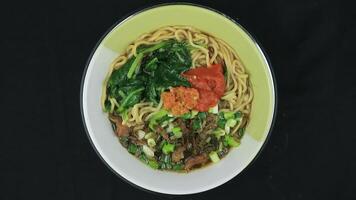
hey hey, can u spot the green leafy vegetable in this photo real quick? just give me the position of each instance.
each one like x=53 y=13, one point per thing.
x=145 y=76
x=153 y=164
x=164 y=64
x=151 y=65
x=107 y=105
x=131 y=99
x=124 y=115
x=151 y=91
x=126 y=92
x=135 y=65
x=146 y=49
x=118 y=77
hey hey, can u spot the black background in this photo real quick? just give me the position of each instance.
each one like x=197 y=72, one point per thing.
x=44 y=150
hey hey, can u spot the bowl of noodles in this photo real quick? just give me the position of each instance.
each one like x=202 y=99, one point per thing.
x=178 y=99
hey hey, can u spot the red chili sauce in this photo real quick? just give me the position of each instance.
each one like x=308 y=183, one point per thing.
x=210 y=83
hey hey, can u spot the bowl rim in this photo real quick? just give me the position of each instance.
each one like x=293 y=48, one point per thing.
x=148 y=7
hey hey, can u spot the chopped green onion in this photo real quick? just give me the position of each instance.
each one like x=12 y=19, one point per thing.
x=178 y=167
x=178 y=135
x=202 y=115
x=229 y=115
x=177 y=132
x=153 y=164
x=151 y=142
x=231 y=141
x=241 y=132
x=196 y=124
x=194 y=113
x=150 y=135
x=168 y=148
x=176 y=129
x=132 y=148
x=186 y=116
x=163 y=142
x=225 y=143
x=141 y=134
x=208 y=139
x=164 y=124
x=214 y=109
x=220 y=146
x=214 y=157
x=221 y=123
x=155 y=117
x=124 y=140
x=165 y=118
x=168 y=166
x=221 y=120
x=143 y=158
x=148 y=151
x=162 y=165
x=231 y=122
x=167 y=159
x=227 y=129
x=238 y=114
x=170 y=127
x=218 y=132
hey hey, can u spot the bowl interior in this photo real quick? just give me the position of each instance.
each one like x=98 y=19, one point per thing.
x=130 y=168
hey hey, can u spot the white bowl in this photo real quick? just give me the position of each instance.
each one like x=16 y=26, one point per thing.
x=99 y=129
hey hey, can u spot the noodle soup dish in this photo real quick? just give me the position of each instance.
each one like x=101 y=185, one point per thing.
x=177 y=99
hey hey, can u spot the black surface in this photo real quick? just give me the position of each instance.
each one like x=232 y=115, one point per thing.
x=44 y=151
